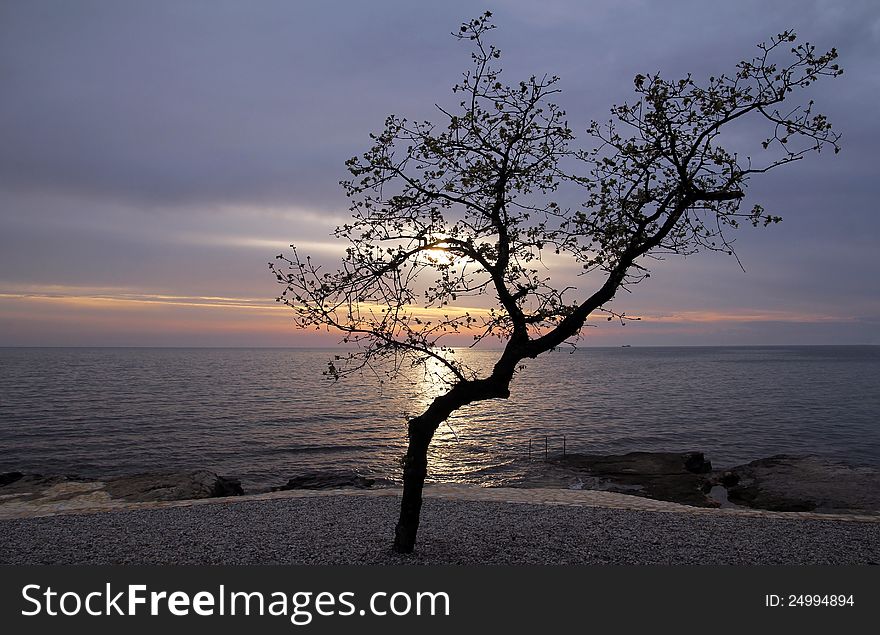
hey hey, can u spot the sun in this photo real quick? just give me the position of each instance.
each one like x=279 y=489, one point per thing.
x=440 y=256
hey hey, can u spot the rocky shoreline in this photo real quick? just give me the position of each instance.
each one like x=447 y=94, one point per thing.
x=137 y=488
x=778 y=483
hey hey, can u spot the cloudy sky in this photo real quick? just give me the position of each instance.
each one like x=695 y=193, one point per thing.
x=154 y=156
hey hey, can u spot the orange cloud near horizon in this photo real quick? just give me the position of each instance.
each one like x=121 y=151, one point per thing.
x=60 y=315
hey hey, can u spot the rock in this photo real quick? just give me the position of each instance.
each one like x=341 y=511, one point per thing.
x=670 y=476
x=729 y=479
x=805 y=483
x=31 y=484
x=227 y=487
x=40 y=494
x=698 y=464
x=9 y=477
x=172 y=486
x=327 y=480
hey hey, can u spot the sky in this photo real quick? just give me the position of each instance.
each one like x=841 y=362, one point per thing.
x=154 y=156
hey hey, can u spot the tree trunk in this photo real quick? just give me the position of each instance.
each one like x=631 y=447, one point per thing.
x=421 y=431
x=415 y=469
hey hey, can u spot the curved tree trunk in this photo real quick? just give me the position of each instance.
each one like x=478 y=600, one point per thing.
x=415 y=469
x=420 y=432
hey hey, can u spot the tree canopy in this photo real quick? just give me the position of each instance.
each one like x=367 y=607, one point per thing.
x=443 y=212
x=468 y=207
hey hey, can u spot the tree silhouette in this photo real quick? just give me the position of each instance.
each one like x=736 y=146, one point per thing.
x=441 y=213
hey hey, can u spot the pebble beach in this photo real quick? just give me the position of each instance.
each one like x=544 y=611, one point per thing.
x=460 y=525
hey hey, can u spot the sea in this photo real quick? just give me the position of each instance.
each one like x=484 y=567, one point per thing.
x=266 y=415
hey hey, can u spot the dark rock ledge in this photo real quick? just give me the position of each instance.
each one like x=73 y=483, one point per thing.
x=776 y=483
x=803 y=483
x=682 y=477
x=135 y=488
x=328 y=480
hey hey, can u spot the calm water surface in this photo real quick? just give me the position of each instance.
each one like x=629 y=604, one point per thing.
x=264 y=415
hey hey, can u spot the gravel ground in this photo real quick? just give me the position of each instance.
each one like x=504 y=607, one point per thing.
x=357 y=530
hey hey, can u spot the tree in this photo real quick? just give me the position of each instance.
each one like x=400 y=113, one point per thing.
x=441 y=213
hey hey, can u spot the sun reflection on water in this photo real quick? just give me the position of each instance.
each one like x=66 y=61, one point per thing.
x=456 y=454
